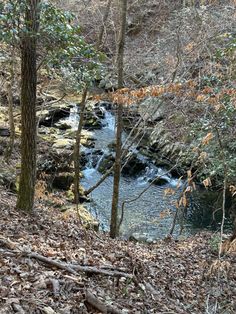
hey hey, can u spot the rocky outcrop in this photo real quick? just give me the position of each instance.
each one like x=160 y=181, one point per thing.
x=62 y=181
x=55 y=161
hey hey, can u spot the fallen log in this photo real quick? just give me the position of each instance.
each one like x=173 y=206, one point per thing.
x=74 y=269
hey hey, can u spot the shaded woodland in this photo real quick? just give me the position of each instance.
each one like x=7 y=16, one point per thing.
x=117 y=156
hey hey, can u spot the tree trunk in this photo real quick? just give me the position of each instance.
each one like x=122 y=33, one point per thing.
x=104 y=20
x=117 y=166
x=26 y=192
x=77 y=149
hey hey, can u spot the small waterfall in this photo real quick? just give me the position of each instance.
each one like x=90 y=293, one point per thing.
x=89 y=170
x=148 y=207
x=110 y=120
x=73 y=119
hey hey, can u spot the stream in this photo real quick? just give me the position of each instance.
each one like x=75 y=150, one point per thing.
x=150 y=216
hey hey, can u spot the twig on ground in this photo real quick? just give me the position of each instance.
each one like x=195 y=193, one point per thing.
x=92 y=300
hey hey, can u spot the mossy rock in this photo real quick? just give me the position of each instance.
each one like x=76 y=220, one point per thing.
x=106 y=163
x=87 y=219
x=64 y=143
x=82 y=197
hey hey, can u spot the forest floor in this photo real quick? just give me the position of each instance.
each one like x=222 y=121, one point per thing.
x=96 y=274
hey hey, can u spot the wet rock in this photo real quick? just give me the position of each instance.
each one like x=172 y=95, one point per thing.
x=106 y=163
x=133 y=165
x=112 y=146
x=63 y=181
x=84 y=159
x=92 y=122
x=92 y=159
x=177 y=172
x=4 y=132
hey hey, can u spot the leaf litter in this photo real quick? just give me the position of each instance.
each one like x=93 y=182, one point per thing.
x=48 y=265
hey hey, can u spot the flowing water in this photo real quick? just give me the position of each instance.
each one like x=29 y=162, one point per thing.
x=151 y=215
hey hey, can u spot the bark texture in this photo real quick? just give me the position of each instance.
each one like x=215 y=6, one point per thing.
x=26 y=192
x=77 y=148
x=117 y=166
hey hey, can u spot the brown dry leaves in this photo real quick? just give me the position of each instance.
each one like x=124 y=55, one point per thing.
x=173 y=277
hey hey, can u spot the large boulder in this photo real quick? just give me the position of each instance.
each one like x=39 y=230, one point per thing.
x=87 y=219
x=82 y=197
x=91 y=121
x=133 y=165
x=106 y=163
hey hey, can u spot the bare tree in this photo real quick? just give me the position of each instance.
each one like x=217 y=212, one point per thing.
x=104 y=20
x=117 y=165
x=77 y=149
x=26 y=192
